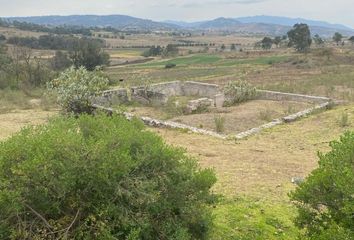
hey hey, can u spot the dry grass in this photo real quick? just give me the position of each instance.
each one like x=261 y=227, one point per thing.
x=262 y=166
x=243 y=116
x=12 y=122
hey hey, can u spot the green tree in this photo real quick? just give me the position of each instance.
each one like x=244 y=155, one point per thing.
x=337 y=38
x=76 y=88
x=351 y=39
x=266 y=43
x=223 y=47
x=277 y=40
x=60 y=61
x=170 y=50
x=300 y=37
x=318 y=40
x=100 y=178
x=88 y=54
x=233 y=47
x=325 y=201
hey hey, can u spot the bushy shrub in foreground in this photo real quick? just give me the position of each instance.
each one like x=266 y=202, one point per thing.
x=325 y=200
x=100 y=178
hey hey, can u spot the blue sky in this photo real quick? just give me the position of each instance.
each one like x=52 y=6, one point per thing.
x=334 y=11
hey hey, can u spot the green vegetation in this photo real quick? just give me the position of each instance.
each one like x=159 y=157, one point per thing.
x=100 y=178
x=239 y=91
x=337 y=38
x=300 y=37
x=252 y=219
x=76 y=89
x=325 y=201
x=185 y=61
x=219 y=124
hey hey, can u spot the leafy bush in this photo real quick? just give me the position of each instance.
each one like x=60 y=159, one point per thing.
x=170 y=65
x=325 y=201
x=77 y=87
x=239 y=91
x=100 y=178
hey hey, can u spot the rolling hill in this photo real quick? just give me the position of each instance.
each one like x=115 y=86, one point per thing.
x=266 y=25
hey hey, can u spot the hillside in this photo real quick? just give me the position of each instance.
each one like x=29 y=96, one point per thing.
x=121 y=22
x=265 y=25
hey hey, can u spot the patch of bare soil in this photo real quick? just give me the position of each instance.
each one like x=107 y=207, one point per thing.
x=243 y=116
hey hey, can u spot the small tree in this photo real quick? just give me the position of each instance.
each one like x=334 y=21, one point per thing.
x=76 y=88
x=318 y=40
x=300 y=37
x=171 y=50
x=233 y=47
x=60 y=61
x=325 y=201
x=351 y=39
x=89 y=54
x=267 y=43
x=277 y=40
x=223 y=47
x=337 y=38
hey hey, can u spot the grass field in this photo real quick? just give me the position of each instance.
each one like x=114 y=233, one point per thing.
x=253 y=175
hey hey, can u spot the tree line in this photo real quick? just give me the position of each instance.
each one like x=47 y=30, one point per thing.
x=300 y=38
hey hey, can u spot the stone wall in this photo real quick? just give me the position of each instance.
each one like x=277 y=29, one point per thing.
x=279 y=96
x=169 y=88
x=112 y=97
x=200 y=89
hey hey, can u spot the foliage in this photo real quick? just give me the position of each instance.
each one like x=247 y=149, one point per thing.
x=2 y=38
x=88 y=54
x=351 y=39
x=247 y=218
x=277 y=40
x=267 y=43
x=170 y=65
x=76 y=89
x=337 y=38
x=239 y=91
x=100 y=178
x=20 y=69
x=219 y=124
x=171 y=50
x=318 y=40
x=325 y=201
x=60 y=61
x=153 y=51
x=300 y=37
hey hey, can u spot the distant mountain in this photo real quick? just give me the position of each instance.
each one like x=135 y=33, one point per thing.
x=121 y=22
x=265 y=25
x=291 y=21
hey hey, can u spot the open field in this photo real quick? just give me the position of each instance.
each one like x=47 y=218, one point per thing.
x=253 y=175
x=322 y=72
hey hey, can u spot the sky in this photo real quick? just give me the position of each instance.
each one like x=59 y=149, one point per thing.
x=333 y=11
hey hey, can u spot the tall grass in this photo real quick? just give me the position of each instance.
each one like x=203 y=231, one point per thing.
x=219 y=124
